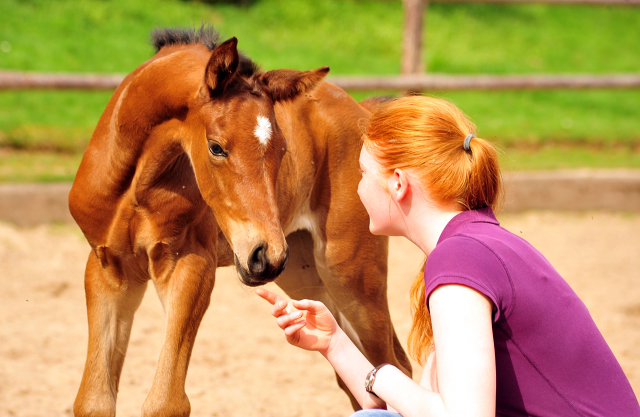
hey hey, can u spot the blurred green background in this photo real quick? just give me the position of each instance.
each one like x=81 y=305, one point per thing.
x=43 y=133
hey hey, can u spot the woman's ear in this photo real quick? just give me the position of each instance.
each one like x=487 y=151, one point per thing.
x=398 y=185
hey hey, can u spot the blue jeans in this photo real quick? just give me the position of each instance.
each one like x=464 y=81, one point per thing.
x=374 y=412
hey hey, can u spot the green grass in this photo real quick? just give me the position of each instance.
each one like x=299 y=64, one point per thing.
x=22 y=166
x=599 y=128
x=49 y=120
x=551 y=157
x=29 y=166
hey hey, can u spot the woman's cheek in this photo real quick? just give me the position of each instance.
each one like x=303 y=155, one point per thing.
x=362 y=193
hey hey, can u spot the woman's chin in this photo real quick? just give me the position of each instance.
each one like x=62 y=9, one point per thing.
x=382 y=231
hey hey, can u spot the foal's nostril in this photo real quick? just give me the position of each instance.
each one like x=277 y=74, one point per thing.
x=258 y=259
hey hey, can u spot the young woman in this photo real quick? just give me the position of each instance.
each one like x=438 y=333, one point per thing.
x=497 y=329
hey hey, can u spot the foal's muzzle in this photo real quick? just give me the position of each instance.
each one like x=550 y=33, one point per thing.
x=260 y=268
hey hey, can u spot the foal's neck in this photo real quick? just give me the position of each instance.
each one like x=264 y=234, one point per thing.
x=142 y=129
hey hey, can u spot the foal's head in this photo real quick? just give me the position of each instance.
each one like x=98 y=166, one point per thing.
x=236 y=147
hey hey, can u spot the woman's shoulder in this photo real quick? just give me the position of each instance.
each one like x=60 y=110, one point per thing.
x=466 y=246
x=489 y=238
x=466 y=255
x=467 y=260
x=479 y=226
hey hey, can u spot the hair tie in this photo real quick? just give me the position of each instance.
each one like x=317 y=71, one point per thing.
x=467 y=142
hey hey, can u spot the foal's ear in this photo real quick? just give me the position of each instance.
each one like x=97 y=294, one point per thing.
x=285 y=84
x=222 y=65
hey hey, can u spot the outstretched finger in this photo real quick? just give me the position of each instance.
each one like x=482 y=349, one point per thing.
x=271 y=297
x=280 y=304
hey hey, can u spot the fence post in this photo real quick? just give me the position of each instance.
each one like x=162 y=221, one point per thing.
x=412 y=62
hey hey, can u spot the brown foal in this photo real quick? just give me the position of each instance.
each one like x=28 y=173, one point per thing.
x=202 y=160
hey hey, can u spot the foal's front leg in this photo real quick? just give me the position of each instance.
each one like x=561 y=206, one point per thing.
x=185 y=294
x=112 y=300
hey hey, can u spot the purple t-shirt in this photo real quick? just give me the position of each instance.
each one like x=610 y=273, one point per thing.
x=551 y=359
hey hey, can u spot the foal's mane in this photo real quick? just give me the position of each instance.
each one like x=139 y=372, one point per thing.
x=206 y=35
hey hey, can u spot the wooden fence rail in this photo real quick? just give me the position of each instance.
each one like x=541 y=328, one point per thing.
x=11 y=80
x=441 y=82
x=593 y=2
x=16 y=80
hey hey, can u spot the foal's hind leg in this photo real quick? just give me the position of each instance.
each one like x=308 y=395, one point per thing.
x=111 y=303
x=185 y=294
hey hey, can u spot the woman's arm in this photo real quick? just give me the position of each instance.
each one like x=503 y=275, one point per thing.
x=462 y=320
x=464 y=361
x=465 y=365
x=353 y=367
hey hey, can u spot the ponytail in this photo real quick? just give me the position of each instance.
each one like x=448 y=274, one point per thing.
x=420 y=340
x=484 y=187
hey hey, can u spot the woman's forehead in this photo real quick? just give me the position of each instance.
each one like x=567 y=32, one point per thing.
x=366 y=158
x=368 y=162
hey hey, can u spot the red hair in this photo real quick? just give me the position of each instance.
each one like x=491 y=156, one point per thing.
x=425 y=136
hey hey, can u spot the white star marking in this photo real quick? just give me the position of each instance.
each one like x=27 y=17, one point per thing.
x=263 y=130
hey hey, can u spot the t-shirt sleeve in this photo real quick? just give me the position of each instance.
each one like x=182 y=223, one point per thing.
x=466 y=261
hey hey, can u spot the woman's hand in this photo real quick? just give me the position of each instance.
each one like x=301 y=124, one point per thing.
x=313 y=327
x=310 y=327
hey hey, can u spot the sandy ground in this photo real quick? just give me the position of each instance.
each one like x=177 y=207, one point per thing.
x=241 y=364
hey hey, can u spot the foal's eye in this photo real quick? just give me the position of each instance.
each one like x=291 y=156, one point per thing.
x=216 y=149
